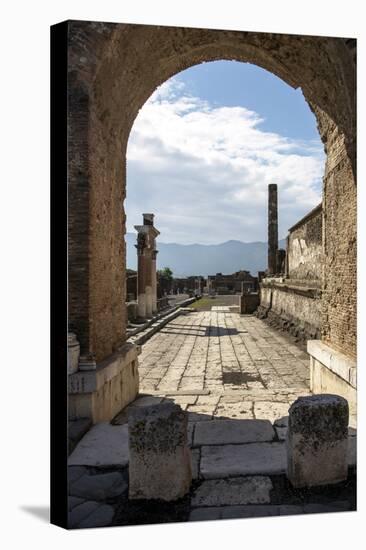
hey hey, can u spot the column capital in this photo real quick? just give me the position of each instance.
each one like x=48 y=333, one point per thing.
x=141 y=243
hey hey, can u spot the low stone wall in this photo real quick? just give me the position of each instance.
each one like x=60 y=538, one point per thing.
x=291 y=307
x=100 y=394
x=332 y=372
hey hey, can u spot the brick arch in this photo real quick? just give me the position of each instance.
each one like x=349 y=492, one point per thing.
x=118 y=67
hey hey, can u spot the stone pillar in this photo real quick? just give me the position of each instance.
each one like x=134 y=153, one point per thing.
x=160 y=465
x=317 y=440
x=147 y=286
x=141 y=262
x=154 y=285
x=272 y=228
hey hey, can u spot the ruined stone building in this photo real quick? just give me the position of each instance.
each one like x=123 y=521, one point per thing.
x=112 y=70
x=291 y=298
x=193 y=284
x=232 y=284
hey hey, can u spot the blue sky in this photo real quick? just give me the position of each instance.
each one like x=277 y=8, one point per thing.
x=207 y=143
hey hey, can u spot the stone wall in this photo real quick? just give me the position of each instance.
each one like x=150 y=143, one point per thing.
x=113 y=70
x=294 y=303
x=305 y=248
x=296 y=309
x=340 y=248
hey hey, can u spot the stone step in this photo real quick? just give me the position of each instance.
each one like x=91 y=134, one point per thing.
x=221 y=432
x=222 y=461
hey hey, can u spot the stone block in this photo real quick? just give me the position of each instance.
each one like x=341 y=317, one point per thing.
x=101 y=393
x=100 y=516
x=220 y=461
x=98 y=487
x=317 y=440
x=234 y=491
x=103 y=445
x=221 y=432
x=160 y=462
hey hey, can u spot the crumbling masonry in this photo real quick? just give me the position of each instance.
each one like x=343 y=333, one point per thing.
x=112 y=70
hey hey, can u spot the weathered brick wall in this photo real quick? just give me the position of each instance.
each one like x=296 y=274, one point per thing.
x=340 y=246
x=114 y=68
x=305 y=248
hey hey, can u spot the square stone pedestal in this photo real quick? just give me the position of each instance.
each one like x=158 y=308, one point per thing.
x=101 y=393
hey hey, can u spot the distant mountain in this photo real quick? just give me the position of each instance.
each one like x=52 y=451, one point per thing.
x=201 y=259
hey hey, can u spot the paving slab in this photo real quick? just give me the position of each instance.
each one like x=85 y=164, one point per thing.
x=104 y=445
x=100 y=516
x=72 y=502
x=233 y=491
x=99 y=486
x=270 y=411
x=239 y=410
x=75 y=472
x=80 y=512
x=220 y=461
x=220 y=432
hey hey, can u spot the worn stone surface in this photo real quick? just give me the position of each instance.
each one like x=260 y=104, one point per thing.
x=304 y=250
x=76 y=430
x=220 y=461
x=292 y=306
x=160 y=463
x=223 y=354
x=271 y=411
x=103 y=445
x=75 y=472
x=98 y=487
x=234 y=491
x=317 y=440
x=91 y=514
x=220 y=432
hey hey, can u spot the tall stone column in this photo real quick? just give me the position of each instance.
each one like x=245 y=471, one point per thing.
x=146 y=284
x=154 y=285
x=141 y=283
x=272 y=228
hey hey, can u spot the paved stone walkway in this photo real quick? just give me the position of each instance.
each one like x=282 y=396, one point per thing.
x=218 y=364
x=236 y=378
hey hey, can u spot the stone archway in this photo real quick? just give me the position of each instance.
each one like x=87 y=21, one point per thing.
x=113 y=69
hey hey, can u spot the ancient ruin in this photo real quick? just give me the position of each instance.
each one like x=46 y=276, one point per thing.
x=234 y=376
x=146 y=278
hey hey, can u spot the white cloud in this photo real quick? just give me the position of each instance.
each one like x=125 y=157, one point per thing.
x=204 y=170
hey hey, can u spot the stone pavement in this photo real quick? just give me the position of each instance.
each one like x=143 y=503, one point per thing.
x=230 y=365
x=235 y=377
